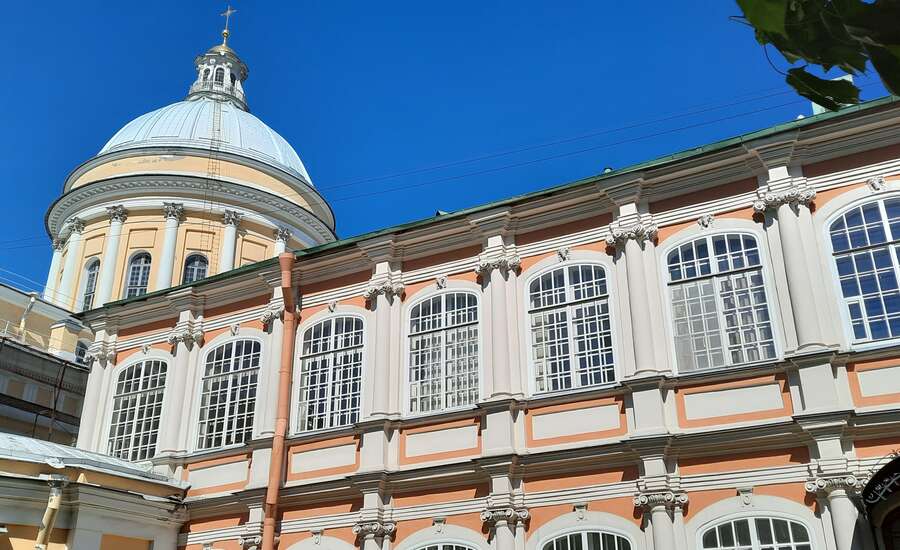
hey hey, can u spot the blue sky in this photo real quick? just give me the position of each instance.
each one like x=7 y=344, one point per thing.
x=375 y=95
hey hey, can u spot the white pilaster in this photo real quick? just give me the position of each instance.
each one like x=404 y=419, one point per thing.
x=117 y=216
x=53 y=274
x=660 y=506
x=231 y=219
x=182 y=338
x=383 y=292
x=271 y=318
x=282 y=236
x=66 y=293
x=173 y=213
x=849 y=531
x=495 y=265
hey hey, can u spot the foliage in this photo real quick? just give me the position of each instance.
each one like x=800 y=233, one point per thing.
x=847 y=34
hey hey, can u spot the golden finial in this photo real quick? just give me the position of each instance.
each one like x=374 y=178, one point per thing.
x=227 y=15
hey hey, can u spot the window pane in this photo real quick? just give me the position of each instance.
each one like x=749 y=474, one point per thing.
x=137 y=405
x=228 y=397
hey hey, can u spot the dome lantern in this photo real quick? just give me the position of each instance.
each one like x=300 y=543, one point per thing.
x=220 y=72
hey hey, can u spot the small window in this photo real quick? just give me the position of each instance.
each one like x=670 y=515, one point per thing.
x=443 y=352
x=205 y=75
x=138 y=275
x=757 y=534
x=866 y=244
x=81 y=350
x=220 y=75
x=137 y=407
x=91 y=272
x=331 y=374
x=228 y=397
x=720 y=309
x=195 y=268
x=571 y=332
x=589 y=540
x=232 y=78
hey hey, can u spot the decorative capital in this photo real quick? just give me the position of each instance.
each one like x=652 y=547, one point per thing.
x=283 y=234
x=793 y=197
x=639 y=231
x=509 y=262
x=824 y=485
x=374 y=529
x=76 y=225
x=499 y=516
x=57 y=243
x=231 y=217
x=668 y=499
x=101 y=352
x=252 y=542
x=186 y=336
x=563 y=253
x=117 y=213
x=876 y=183
x=388 y=287
x=705 y=221
x=270 y=314
x=173 y=210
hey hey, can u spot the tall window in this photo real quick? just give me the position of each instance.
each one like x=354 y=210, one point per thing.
x=757 y=534
x=195 y=268
x=443 y=352
x=571 y=334
x=205 y=74
x=220 y=75
x=229 y=394
x=719 y=304
x=138 y=275
x=331 y=373
x=91 y=271
x=137 y=405
x=865 y=241
x=589 y=540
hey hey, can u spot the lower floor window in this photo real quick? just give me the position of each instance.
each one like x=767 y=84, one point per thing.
x=757 y=534
x=589 y=540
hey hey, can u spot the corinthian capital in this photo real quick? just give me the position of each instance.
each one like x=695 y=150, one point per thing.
x=57 y=243
x=824 y=485
x=186 y=335
x=375 y=528
x=231 y=217
x=117 y=213
x=668 y=499
x=796 y=195
x=173 y=210
x=386 y=286
x=506 y=262
x=640 y=231
x=282 y=234
x=76 y=225
x=511 y=516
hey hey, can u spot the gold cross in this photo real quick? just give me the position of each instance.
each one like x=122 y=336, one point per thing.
x=227 y=15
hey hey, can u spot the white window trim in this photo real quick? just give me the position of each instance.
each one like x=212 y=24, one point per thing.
x=82 y=284
x=184 y=266
x=192 y=444
x=127 y=273
x=590 y=521
x=751 y=515
x=294 y=428
x=769 y=283
x=405 y=347
x=610 y=274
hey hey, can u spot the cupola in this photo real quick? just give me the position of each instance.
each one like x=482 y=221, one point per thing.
x=221 y=73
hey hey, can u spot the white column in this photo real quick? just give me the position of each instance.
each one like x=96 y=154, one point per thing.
x=849 y=531
x=504 y=525
x=380 y=295
x=658 y=505
x=282 y=236
x=495 y=269
x=182 y=339
x=173 y=212
x=269 y=379
x=117 y=216
x=231 y=219
x=53 y=275
x=66 y=293
x=88 y=421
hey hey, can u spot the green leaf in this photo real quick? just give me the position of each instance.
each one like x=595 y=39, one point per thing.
x=766 y=15
x=831 y=94
x=887 y=64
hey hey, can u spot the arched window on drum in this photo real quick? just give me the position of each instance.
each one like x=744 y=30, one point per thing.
x=756 y=534
x=720 y=309
x=865 y=242
x=588 y=540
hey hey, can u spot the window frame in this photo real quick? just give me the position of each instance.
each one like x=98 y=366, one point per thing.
x=814 y=535
x=769 y=284
x=81 y=344
x=85 y=275
x=406 y=348
x=611 y=276
x=184 y=267
x=109 y=407
x=298 y=372
x=589 y=528
x=127 y=274
x=846 y=328
x=197 y=405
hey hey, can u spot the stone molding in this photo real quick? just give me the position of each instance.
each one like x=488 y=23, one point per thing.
x=117 y=213
x=506 y=262
x=57 y=243
x=824 y=485
x=705 y=221
x=187 y=335
x=76 y=225
x=668 y=499
x=876 y=183
x=101 y=352
x=639 y=231
x=282 y=234
x=796 y=195
x=376 y=529
x=498 y=516
x=386 y=286
x=250 y=542
x=232 y=217
x=173 y=210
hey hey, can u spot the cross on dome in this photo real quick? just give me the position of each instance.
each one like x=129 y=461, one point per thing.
x=227 y=15
x=220 y=72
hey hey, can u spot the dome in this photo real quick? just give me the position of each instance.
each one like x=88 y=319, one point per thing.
x=189 y=124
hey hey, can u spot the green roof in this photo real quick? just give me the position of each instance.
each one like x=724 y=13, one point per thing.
x=659 y=161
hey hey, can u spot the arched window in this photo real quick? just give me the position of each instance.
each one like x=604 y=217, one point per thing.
x=205 y=75
x=91 y=271
x=331 y=373
x=137 y=405
x=232 y=78
x=864 y=241
x=445 y=546
x=138 y=275
x=195 y=268
x=443 y=352
x=757 y=534
x=571 y=333
x=719 y=304
x=81 y=350
x=220 y=75
x=588 y=540
x=229 y=394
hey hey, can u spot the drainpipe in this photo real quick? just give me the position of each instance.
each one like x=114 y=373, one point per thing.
x=31 y=299
x=276 y=462
x=57 y=483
